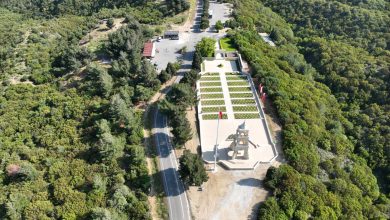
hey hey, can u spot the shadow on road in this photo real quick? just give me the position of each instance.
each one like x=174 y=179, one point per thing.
x=168 y=175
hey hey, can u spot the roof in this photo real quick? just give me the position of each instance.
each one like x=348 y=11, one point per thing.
x=148 y=49
x=171 y=33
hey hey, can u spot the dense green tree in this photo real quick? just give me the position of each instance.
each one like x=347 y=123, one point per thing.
x=218 y=25
x=182 y=94
x=191 y=77
x=206 y=47
x=191 y=169
x=110 y=23
x=197 y=61
x=99 y=82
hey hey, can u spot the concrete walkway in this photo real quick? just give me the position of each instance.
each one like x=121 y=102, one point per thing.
x=226 y=95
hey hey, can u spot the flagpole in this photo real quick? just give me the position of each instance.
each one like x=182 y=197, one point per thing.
x=216 y=142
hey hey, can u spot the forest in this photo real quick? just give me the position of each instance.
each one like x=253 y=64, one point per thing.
x=330 y=89
x=70 y=132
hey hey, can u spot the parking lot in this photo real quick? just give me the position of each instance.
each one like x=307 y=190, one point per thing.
x=167 y=50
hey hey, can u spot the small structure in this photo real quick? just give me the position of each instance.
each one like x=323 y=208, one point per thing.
x=240 y=142
x=173 y=35
x=149 y=50
x=210 y=13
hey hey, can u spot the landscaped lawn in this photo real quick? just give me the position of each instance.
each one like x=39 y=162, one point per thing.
x=243 y=83
x=210 y=78
x=210 y=84
x=227 y=44
x=213 y=89
x=241 y=95
x=243 y=101
x=212 y=96
x=213 y=102
x=213 y=116
x=214 y=109
x=250 y=108
x=239 y=89
x=246 y=115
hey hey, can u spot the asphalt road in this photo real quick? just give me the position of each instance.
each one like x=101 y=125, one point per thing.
x=174 y=189
x=178 y=205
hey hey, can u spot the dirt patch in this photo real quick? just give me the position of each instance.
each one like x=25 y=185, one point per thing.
x=101 y=33
x=229 y=195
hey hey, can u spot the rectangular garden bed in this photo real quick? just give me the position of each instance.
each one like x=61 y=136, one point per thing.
x=250 y=108
x=213 y=102
x=210 y=84
x=243 y=83
x=243 y=101
x=212 y=96
x=241 y=95
x=213 y=89
x=213 y=116
x=211 y=78
x=240 y=89
x=214 y=109
x=246 y=115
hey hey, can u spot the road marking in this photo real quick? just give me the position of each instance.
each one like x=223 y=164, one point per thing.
x=162 y=167
x=176 y=177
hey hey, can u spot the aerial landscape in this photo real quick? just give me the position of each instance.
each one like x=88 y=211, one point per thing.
x=194 y=109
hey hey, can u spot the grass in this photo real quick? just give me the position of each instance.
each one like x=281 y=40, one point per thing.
x=214 y=109
x=214 y=89
x=239 y=89
x=243 y=101
x=211 y=78
x=243 y=83
x=233 y=74
x=212 y=96
x=213 y=102
x=251 y=108
x=210 y=84
x=213 y=116
x=246 y=115
x=241 y=95
x=227 y=44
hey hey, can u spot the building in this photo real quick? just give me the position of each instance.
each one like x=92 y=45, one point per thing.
x=173 y=35
x=149 y=50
